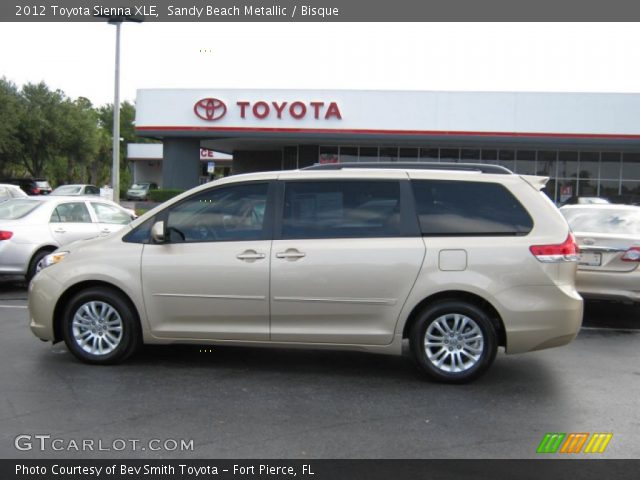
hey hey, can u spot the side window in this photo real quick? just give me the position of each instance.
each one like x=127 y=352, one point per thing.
x=452 y=208
x=341 y=209
x=75 y=212
x=4 y=194
x=91 y=190
x=232 y=213
x=110 y=214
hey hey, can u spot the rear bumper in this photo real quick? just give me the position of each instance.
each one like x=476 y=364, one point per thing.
x=539 y=317
x=623 y=286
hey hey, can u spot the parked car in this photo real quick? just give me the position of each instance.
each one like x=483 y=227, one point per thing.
x=31 y=228
x=31 y=186
x=140 y=191
x=609 y=240
x=459 y=259
x=76 y=189
x=585 y=201
x=8 y=191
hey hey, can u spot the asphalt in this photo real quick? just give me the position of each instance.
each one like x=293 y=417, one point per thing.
x=276 y=403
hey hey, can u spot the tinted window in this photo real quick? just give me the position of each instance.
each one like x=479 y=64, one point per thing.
x=232 y=213
x=468 y=208
x=343 y=209
x=75 y=212
x=91 y=190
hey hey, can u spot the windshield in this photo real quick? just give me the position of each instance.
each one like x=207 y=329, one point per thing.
x=67 y=190
x=139 y=186
x=610 y=220
x=16 y=208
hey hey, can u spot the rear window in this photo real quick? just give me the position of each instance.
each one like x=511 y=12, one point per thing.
x=609 y=220
x=42 y=184
x=14 y=209
x=453 y=208
x=68 y=190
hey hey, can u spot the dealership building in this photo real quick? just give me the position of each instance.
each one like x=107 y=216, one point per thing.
x=587 y=143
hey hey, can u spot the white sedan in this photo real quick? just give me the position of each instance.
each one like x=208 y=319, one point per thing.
x=33 y=227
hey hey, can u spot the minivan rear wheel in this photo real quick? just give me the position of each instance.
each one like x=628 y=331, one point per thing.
x=100 y=327
x=454 y=341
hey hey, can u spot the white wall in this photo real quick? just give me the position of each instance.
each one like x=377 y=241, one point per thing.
x=577 y=113
x=147 y=171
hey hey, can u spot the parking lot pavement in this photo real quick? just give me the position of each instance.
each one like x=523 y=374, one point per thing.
x=265 y=403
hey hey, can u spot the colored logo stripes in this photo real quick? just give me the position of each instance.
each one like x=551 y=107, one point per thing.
x=574 y=442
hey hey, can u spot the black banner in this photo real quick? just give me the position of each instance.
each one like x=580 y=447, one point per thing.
x=319 y=10
x=319 y=469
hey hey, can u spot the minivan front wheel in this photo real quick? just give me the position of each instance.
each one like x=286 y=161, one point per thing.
x=100 y=326
x=454 y=341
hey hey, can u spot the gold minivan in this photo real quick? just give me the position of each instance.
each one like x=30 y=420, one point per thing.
x=459 y=259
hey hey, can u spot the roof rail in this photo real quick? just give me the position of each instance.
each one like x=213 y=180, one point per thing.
x=468 y=167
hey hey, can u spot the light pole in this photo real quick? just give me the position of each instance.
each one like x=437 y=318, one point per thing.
x=115 y=166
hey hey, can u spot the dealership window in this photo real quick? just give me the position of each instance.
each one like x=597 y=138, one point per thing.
x=567 y=188
x=631 y=166
x=506 y=158
x=567 y=164
x=546 y=163
x=489 y=155
x=388 y=154
x=610 y=166
x=631 y=188
x=408 y=154
x=526 y=162
x=589 y=166
x=588 y=188
x=368 y=154
x=341 y=209
x=471 y=155
x=348 y=154
x=449 y=154
x=608 y=188
x=468 y=208
x=328 y=155
x=429 y=154
x=290 y=158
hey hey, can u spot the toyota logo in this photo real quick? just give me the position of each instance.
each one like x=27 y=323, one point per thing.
x=210 y=109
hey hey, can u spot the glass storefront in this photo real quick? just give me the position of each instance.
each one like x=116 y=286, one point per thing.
x=613 y=175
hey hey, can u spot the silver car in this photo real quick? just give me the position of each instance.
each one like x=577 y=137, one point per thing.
x=76 y=189
x=31 y=228
x=609 y=240
x=8 y=191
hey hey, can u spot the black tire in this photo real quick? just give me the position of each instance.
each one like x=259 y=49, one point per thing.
x=33 y=264
x=129 y=338
x=454 y=359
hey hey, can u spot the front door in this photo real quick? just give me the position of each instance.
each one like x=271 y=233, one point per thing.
x=210 y=280
x=71 y=221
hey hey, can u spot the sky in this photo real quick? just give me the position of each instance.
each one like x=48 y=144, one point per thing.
x=78 y=58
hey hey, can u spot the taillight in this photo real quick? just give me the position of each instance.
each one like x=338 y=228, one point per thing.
x=631 y=255
x=4 y=235
x=35 y=191
x=566 y=251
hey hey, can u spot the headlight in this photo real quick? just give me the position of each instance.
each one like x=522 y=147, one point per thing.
x=53 y=258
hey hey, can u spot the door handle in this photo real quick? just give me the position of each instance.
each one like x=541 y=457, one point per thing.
x=291 y=253
x=106 y=230
x=60 y=230
x=250 y=255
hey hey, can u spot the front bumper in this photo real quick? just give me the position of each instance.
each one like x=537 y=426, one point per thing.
x=44 y=291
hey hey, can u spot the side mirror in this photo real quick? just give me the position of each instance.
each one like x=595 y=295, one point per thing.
x=157 y=232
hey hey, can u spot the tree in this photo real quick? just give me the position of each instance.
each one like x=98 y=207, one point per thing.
x=11 y=111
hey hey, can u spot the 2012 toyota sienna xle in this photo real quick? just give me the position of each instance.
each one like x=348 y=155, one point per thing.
x=457 y=258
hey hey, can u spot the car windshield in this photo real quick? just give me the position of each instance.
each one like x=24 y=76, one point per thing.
x=615 y=221
x=17 y=208
x=67 y=190
x=139 y=186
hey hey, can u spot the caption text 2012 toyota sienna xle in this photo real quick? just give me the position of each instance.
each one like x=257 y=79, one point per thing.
x=457 y=258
